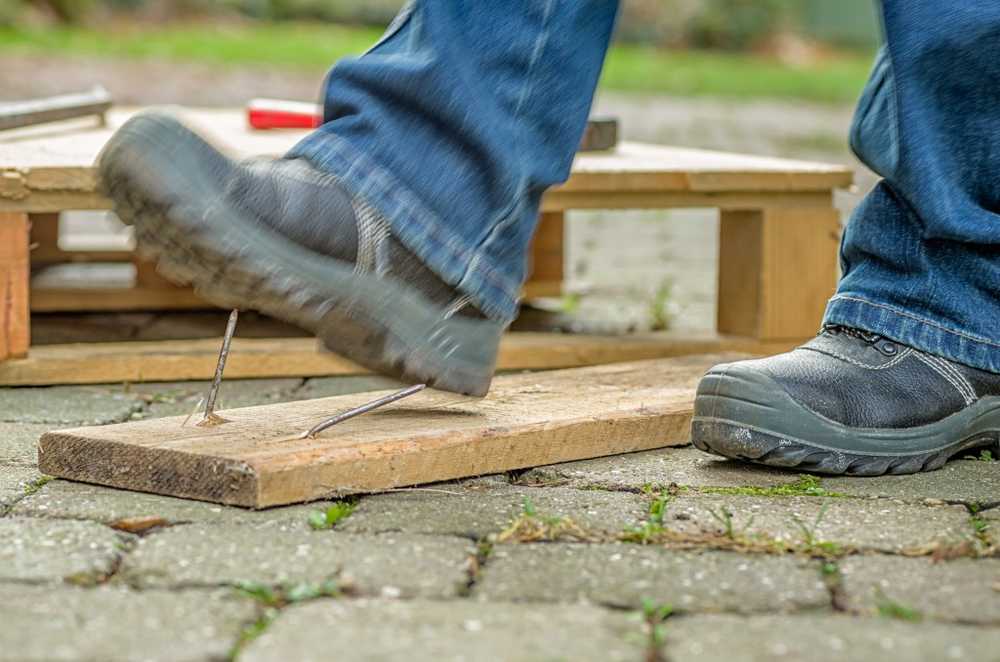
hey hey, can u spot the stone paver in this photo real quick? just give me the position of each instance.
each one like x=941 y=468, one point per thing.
x=15 y=482
x=965 y=481
x=962 y=590
x=625 y=575
x=420 y=631
x=476 y=513
x=684 y=466
x=324 y=387
x=19 y=443
x=181 y=398
x=828 y=638
x=67 y=405
x=70 y=500
x=210 y=555
x=37 y=550
x=876 y=524
x=112 y=624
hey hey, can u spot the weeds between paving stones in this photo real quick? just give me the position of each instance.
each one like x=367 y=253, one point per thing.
x=804 y=485
x=529 y=526
x=654 y=617
x=984 y=456
x=272 y=599
x=321 y=520
x=888 y=608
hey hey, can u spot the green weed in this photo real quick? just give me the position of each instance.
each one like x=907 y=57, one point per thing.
x=805 y=485
x=320 y=520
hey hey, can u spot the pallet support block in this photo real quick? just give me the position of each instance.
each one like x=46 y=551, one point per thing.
x=777 y=270
x=256 y=459
x=14 y=276
x=547 y=257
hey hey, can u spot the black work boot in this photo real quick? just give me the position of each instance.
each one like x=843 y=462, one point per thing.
x=848 y=402
x=279 y=236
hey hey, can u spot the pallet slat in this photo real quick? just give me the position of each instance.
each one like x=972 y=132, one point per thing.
x=255 y=460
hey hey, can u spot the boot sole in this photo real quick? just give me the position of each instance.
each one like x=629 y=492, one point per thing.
x=747 y=416
x=165 y=181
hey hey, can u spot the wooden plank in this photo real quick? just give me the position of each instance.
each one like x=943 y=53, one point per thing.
x=177 y=360
x=101 y=299
x=255 y=460
x=50 y=168
x=777 y=269
x=547 y=256
x=15 y=319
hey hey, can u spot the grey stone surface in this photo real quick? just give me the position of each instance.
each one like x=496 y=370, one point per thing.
x=963 y=590
x=15 y=482
x=685 y=466
x=19 y=443
x=71 y=500
x=876 y=524
x=624 y=575
x=430 y=631
x=965 y=481
x=324 y=387
x=210 y=555
x=37 y=550
x=478 y=512
x=181 y=398
x=113 y=623
x=829 y=638
x=67 y=405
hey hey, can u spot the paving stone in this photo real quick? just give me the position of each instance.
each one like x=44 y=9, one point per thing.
x=37 y=550
x=963 y=590
x=67 y=405
x=70 y=500
x=209 y=555
x=113 y=623
x=882 y=524
x=625 y=575
x=19 y=443
x=964 y=481
x=684 y=466
x=476 y=512
x=431 y=631
x=828 y=638
x=181 y=398
x=324 y=387
x=15 y=482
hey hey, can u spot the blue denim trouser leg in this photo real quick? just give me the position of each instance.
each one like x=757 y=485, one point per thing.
x=921 y=256
x=456 y=122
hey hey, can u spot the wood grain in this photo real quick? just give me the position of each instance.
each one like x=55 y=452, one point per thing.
x=255 y=461
x=179 y=360
x=15 y=320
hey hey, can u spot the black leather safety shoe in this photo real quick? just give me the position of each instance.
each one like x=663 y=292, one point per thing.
x=848 y=402
x=279 y=236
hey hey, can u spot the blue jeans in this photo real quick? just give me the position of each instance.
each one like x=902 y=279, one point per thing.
x=457 y=121
x=921 y=255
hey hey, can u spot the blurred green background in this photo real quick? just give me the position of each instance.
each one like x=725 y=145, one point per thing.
x=814 y=50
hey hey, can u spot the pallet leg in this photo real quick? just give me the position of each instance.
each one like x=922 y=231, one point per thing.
x=777 y=269
x=547 y=258
x=15 y=319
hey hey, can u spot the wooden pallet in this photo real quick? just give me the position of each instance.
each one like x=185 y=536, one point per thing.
x=255 y=460
x=778 y=234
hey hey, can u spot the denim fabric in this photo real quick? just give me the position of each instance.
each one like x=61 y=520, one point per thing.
x=456 y=122
x=921 y=255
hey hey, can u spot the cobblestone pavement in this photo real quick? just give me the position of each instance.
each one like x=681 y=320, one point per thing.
x=663 y=555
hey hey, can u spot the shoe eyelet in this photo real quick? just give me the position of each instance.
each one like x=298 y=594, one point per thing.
x=888 y=348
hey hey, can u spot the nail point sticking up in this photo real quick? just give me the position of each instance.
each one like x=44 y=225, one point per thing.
x=363 y=409
x=211 y=418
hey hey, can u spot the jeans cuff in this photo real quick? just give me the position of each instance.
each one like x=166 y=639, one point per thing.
x=468 y=269
x=924 y=334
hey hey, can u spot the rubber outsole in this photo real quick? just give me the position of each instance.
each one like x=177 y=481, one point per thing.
x=169 y=184
x=745 y=416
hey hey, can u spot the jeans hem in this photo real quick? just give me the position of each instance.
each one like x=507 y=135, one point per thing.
x=915 y=331
x=427 y=235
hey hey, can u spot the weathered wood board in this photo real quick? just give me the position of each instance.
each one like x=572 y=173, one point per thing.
x=255 y=460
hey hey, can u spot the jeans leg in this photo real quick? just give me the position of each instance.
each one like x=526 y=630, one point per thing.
x=457 y=121
x=921 y=255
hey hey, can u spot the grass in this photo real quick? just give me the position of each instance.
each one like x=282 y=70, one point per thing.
x=316 y=46
x=321 y=520
x=888 y=608
x=805 y=485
